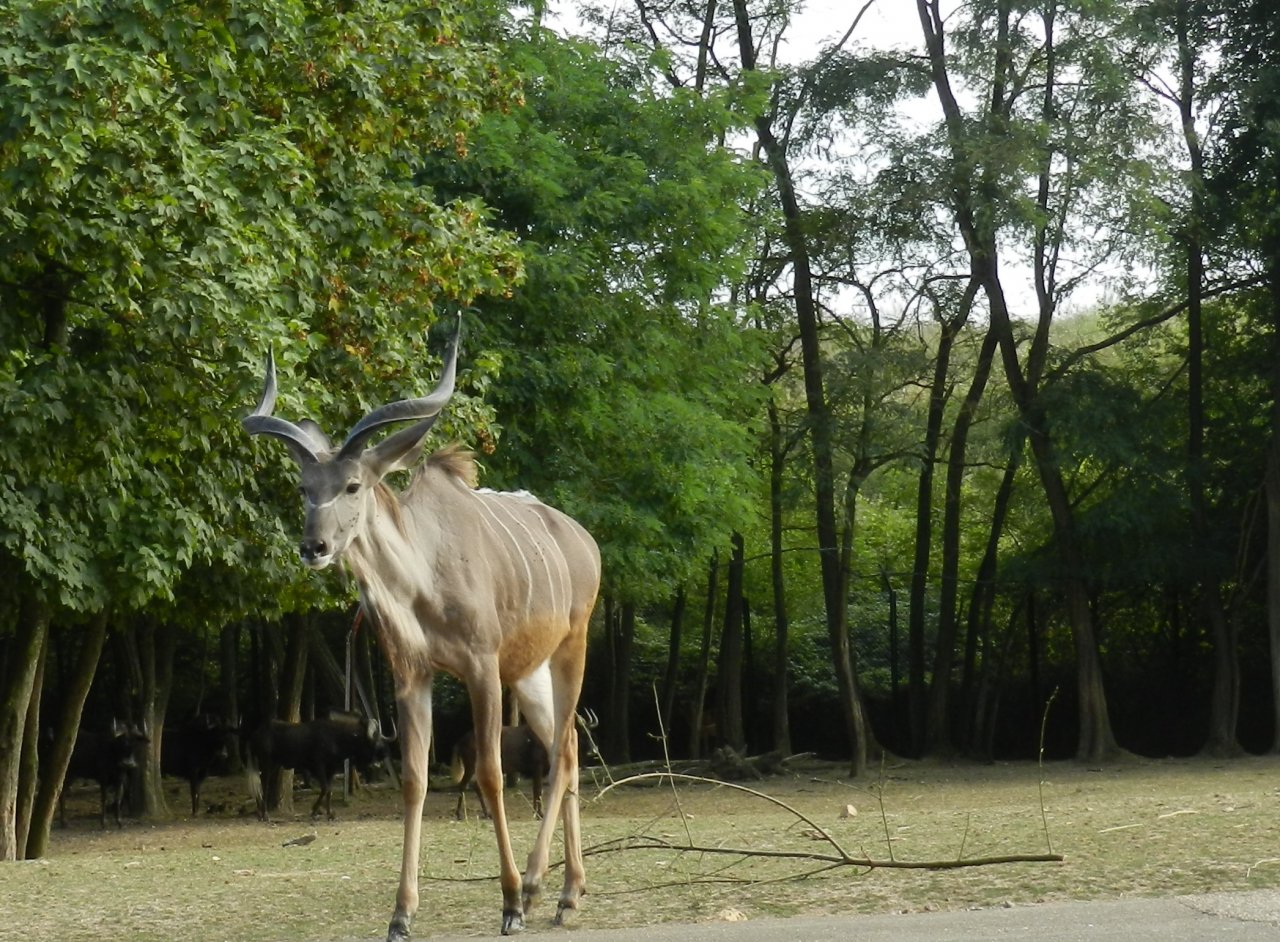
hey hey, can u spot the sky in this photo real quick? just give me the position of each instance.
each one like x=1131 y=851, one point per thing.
x=886 y=23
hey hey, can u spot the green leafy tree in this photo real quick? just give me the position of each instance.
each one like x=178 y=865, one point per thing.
x=180 y=188
x=622 y=395
x=1022 y=171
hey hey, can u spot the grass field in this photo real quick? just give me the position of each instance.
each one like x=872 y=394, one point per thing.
x=1130 y=828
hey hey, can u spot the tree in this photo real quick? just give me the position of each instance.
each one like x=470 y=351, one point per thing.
x=1183 y=26
x=1020 y=136
x=1248 y=160
x=181 y=188
x=774 y=151
x=622 y=397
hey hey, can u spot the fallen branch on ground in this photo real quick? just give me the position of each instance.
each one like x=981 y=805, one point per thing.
x=841 y=857
x=645 y=842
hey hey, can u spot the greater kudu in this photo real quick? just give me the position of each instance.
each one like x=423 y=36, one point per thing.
x=495 y=588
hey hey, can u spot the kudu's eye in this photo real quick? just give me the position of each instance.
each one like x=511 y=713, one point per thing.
x=353 y=487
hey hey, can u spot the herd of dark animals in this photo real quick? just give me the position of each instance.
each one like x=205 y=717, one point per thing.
x=319 y=748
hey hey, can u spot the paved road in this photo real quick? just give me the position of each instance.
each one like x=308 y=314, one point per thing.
x=1217 y=917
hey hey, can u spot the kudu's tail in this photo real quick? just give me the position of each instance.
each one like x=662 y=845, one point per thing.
x=253 y=778
x=456 y=767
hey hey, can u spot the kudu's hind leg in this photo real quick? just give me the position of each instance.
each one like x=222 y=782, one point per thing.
x=561 y=798
x=575 y=873
x=414 y=706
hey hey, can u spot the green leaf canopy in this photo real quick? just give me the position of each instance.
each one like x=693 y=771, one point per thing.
x=182 y=186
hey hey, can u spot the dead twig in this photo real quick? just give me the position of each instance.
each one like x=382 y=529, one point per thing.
x=826 y=835
x=666 y=758
x=1044 y=724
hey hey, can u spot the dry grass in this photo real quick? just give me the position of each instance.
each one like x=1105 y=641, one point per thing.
x=1133 y=828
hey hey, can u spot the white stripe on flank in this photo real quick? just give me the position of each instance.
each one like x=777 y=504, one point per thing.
x=586 y=543
x=566 y=584
x=528 y=572
x=533 y=542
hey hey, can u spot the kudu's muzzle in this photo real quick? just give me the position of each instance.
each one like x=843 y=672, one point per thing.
x=315 y=553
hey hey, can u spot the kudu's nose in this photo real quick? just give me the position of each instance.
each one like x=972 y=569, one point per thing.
x=310 y=550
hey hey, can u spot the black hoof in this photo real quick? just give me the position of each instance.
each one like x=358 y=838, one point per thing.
x=562 y=907
x=512 y=922
x=398 y=931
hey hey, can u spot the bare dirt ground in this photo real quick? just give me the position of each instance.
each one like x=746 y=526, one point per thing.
x=1133 y=828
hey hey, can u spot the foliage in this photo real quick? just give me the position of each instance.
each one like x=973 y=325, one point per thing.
x=182 y=186
x=1247 y=150
x=623 y=396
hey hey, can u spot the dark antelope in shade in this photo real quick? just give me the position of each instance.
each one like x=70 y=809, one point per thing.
x=522 y=754
x=317 y=747
x=196 y=749
x=494 y=588
x=108 y=757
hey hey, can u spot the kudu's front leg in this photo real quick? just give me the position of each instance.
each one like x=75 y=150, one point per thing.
x=414 y=707
x=486 y=713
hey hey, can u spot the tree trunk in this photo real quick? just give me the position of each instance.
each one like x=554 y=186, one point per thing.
x=127 y=690
x=730 y=661
x=331 y=677
x=1272 y=489
x=228 y=685
x=16 y=685
x=1224 y=699
x=940 y=732
x=229 y=671
x=781 y=654
x=157 y=642
x=982 y=601
x=1095 y=739
x=293 y=673
x=697 y=710
x=862 y=753
x=610 y=620
x=752 y=718
x=622 y=629
x=987 y=695
x=29 y=762
x=671 y=676
x=895 y=669
x=922 y=737
x=53 y=770
x=1224 y=702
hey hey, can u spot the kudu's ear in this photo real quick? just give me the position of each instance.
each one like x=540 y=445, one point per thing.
x=399 y=451
x=313 y=429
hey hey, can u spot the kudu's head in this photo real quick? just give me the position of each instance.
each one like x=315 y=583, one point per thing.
x=337 y=485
